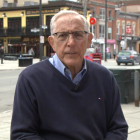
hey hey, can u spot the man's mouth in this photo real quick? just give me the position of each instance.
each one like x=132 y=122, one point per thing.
x=71 y=53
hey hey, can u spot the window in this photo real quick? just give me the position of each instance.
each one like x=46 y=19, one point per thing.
x=110 y=14
x=48 y=19
x=133 y=29
x=14 y=22
x=109 y=33
x=1 y=22
x=32 y=22
x=94 y=11
x=101 y=31
x=102 y=13
x=123 y=28
x=118 y=28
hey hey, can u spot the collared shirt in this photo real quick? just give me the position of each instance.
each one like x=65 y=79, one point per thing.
x=55 y=61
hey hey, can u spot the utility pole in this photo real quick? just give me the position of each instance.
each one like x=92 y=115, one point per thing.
x=125 y=25
x=105 y=29
x=85 y=8
x=41 y=32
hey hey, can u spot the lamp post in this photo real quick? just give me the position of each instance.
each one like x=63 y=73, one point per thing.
x=125 y=25
x=105 y=29
x=85 y=8
x=41 y=32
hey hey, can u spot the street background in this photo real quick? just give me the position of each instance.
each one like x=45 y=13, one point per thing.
x=9 y=72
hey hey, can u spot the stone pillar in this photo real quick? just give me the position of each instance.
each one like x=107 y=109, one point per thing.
x=137 y=47
x=44 y=50
x=25 y=49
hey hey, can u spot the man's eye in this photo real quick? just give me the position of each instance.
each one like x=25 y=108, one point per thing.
x=78 y=34
x=62 y=35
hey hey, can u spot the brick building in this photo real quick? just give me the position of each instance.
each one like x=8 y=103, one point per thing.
x=19 y=24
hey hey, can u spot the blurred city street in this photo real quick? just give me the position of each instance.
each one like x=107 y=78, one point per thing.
x=131 y=113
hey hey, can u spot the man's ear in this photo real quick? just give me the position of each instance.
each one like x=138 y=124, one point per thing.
x=51 y=41
x=90 y=36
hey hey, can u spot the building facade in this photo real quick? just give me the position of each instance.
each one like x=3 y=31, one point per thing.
x=131 y=35
x=20 y=26
x=118 y=23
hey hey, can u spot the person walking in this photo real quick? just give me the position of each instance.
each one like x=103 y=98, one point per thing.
x=31 y=51
x=114 y=53
x=67 y=97
x=2 y=54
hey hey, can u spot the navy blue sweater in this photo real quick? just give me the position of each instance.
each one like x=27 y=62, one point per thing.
x=47 y=106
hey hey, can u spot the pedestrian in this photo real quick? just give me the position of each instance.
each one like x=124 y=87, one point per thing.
x=2 y=54
x=67 y=97
x=114 y=53
x=31 y=52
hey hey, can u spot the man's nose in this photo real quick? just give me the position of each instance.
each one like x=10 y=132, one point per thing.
x=70 y=37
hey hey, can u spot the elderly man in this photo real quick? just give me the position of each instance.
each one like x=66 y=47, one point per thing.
x=67 y=97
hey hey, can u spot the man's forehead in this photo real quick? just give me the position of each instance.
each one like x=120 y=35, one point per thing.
x=69 y=17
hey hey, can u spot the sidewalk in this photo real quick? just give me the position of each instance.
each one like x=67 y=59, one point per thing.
x=131 y=113
x=13 y=64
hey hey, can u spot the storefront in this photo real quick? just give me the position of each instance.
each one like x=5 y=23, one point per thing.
x=111 y=46
x=20 y=27
x=132 y=43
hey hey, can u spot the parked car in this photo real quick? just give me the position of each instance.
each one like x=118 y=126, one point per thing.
x=128 y=56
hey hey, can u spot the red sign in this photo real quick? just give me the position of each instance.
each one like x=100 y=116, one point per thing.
x=120 y=37
x=128 y=29
x=92 y=20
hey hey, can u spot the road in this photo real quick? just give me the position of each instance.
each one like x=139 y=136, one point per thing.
x=8 y=80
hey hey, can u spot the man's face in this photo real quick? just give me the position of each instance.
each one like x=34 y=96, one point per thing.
x=70 y=52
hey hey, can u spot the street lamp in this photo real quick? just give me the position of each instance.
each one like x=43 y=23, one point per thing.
x=105 y=29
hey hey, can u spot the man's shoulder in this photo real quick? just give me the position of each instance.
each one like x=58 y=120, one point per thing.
x=36 y=69
x=97 y=68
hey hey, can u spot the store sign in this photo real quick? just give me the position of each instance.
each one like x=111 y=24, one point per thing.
x=123 y=37
x=134 y=38
x=44 y=11
x=128 y=29
x=92 y=20
x=35 y=30
x=41 y=39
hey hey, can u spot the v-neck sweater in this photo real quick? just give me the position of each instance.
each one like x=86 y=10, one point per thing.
x=48 y=106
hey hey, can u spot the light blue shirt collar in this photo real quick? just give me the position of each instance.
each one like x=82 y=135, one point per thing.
x=55 y=61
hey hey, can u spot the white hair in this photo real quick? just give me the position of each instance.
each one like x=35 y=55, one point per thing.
x=65 y=12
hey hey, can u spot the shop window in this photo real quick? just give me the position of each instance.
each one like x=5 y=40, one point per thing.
x=14 y=49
